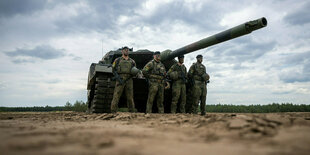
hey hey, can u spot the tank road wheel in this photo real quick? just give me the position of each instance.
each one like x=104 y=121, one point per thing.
x=103 y=94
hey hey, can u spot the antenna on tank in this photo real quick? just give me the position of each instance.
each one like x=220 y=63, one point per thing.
x=102 y=49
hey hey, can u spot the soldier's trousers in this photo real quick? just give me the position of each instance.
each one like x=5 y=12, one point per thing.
x=199 y=93
x=118 y=91
x=178 y=93
x=156 y=89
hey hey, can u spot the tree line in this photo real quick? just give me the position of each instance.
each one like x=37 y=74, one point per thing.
x=80 y=106
x=274 y=107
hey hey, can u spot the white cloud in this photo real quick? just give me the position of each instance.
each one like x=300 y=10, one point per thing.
x=246 y=70
x=150 y=6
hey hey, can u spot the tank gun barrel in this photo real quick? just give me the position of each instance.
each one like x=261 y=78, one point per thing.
x=232 y=33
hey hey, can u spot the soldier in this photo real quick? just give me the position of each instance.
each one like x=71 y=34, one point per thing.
x=197 y=73
x=122 y=68
x=155 y=72
x=179 y=76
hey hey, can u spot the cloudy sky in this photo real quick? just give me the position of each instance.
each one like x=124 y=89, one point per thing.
x=47 y=46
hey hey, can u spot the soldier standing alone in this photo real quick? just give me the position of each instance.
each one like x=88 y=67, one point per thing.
x=155 y=72
x=178 y=74
x=122 y=66
x=197 y=73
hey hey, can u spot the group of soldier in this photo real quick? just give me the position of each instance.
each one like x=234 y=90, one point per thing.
x=155 y=72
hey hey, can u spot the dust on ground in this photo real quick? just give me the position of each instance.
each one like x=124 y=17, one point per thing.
x=139 y=133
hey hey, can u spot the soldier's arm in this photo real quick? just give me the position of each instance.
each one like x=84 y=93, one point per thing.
x=171 y=69
x=114 y=65
x=191 y=71
x=133 y=62
x=147 y=68
x=165 y=72
x=185 y=71
x=205 y=69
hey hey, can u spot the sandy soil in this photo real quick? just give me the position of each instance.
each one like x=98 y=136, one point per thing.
x=138 y=133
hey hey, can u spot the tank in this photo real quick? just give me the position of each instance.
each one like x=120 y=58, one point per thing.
x=100 y=85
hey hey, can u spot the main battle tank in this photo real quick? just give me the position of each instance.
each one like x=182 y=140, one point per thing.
x=101 y=83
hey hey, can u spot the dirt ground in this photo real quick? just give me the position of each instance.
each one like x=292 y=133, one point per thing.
x=138 y=133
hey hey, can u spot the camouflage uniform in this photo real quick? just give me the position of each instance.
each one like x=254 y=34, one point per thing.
x=123 y=68
x=155 y=72
x=199 y=90
x=178 y=88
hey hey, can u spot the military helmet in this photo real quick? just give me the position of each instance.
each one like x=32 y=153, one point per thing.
x=156 y=53
x=199 y=56
x=134 y=71
x=125 y=47
x=206 y=77
x=174 y=75
x=180 y=56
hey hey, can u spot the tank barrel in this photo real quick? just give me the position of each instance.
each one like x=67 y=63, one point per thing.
x=232 y=33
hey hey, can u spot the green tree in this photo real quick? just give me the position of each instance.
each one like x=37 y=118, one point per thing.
x=79 y=106
x=68 y=106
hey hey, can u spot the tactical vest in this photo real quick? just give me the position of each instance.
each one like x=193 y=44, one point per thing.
x=158 y=70
x=199 y=70
x=124 y=66
x=180 y=69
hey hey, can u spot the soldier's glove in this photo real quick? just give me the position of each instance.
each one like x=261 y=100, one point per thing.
x=140 y=75
x=167 y=85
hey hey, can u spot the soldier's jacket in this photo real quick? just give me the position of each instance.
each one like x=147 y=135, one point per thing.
x=154 y=70
x=196 y=71
x=123 y=66
x=179 y=69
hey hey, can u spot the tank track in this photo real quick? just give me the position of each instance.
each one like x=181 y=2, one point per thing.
x=102 y=94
